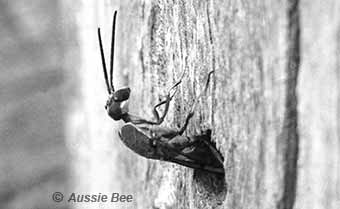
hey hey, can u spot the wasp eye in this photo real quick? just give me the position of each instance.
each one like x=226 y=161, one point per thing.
x=121 y=94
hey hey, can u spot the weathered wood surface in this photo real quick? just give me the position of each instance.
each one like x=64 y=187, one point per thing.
x=273 y=104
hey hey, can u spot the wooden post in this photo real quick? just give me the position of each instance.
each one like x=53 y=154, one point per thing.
x=273 y=104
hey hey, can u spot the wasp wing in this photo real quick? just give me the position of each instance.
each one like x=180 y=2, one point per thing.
x=197 y=156
x=192 y=164
x=137 y=141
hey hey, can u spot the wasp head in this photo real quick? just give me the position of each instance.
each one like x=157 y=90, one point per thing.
x=116 y=105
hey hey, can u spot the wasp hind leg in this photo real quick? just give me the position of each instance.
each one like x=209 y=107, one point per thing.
x=192 y=110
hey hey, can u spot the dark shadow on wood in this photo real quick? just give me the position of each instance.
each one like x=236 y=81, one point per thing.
x=209 y=187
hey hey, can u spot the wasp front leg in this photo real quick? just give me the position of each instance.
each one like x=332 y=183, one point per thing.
x=171 y=93
x=128 y=117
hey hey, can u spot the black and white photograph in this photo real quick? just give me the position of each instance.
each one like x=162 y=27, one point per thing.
x=212 y=104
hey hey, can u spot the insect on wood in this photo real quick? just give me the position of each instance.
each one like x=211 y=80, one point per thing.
x=147 y=138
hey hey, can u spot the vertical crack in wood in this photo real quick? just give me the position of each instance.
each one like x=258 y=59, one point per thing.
x=213 y=64
x=290 y=136
x=142 y=59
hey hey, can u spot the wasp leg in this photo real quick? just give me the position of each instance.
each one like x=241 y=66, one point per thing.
x=159 y=119
x=155 y=112
x=187 y=120
x=192 y=110
x=171 y=93
x=138 y=120
x=177 y=144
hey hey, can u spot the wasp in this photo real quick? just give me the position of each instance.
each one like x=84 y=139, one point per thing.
x=150 y=140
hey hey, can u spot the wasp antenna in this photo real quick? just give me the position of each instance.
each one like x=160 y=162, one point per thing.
x=103 y=61
x=112 y=49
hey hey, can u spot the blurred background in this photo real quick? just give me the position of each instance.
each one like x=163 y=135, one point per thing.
x=55 y=135
x=36 y=40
